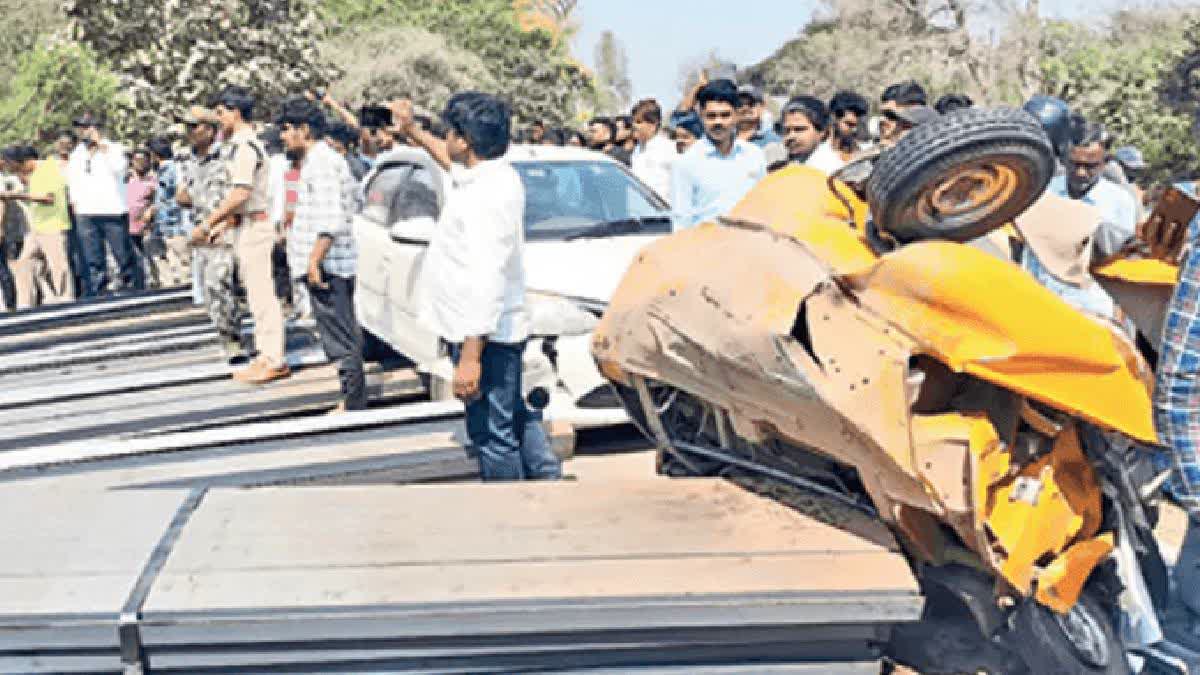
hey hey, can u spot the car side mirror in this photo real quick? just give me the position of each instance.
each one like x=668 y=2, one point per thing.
x=417 y=231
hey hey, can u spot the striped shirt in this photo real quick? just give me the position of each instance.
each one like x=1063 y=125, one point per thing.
x=324 y=207
x=1177 y=391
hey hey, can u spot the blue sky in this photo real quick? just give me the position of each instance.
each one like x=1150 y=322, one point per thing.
x=662 y=35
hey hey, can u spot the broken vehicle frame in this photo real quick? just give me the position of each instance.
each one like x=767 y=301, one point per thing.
x=933 y=383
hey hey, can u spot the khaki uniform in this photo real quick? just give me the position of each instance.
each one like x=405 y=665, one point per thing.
x=249 y=168
x=207 y=181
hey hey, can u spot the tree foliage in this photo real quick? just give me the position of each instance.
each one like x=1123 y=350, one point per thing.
x=176 y=53
x=530 y=67
x=864 y=45
x=1116 y=76
x=613 y=86
x=54 y=82
x=404 y=62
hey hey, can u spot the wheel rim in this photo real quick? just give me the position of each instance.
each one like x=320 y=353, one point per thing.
x=1085 y=635
x=971 y=193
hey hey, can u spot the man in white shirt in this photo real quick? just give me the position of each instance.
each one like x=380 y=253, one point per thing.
x=474 y=280
x=96 y=186
x=805 y=126
x=654 y=153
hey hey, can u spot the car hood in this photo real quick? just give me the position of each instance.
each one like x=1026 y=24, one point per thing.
x=588 y=269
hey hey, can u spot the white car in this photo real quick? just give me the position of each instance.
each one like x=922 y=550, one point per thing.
x=586 y=217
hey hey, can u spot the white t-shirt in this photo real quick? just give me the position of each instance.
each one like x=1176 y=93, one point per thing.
x=96 y=182
x=652 y=162
x=473 y=281
x=825 y=159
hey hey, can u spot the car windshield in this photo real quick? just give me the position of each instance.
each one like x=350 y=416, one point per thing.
x=564 y=199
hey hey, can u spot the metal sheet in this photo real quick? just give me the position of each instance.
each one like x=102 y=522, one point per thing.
x=91 y=310
x=331 y=547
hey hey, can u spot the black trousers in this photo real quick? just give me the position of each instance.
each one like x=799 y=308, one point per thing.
x=94 y=232
x=8 y=285
x=341 y=336
x=281 y=273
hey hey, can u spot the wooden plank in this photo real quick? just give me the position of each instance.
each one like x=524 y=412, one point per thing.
x=348 y=546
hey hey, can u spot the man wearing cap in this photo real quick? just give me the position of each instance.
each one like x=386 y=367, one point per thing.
x=202 y=185
x=248 y=201
x=96 y=184
x=1133 y=166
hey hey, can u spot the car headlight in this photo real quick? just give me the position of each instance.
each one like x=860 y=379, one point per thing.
x=555 y=315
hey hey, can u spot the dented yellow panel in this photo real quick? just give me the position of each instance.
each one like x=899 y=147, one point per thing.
x=797 y=201
x=1051 y=504
x=995 y=322
x=1060 y=584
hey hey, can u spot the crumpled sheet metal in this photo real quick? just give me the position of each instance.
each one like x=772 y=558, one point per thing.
x=985 y=317
x=683 y=315
x=797 y=202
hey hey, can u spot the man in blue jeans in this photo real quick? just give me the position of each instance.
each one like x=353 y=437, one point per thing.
x=96 y=184
x=475 y=284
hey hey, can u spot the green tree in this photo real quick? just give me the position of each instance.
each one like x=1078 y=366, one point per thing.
x=404 y=62
x=529 y=66
x=1116 y=76
x=171 y=55
x=54 y=82
x=613 y=87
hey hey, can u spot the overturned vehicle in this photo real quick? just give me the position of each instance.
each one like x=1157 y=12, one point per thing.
x=898 y=365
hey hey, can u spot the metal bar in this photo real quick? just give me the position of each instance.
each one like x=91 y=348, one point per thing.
x=92 y=450
x=128 y=631
x=47 y=317
x=782 y=476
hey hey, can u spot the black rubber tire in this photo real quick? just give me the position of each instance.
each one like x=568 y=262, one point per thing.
x=1039 y=638
x=1004 y=140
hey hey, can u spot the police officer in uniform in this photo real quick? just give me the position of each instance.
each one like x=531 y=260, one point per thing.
x=203 y=184
x=248 y=201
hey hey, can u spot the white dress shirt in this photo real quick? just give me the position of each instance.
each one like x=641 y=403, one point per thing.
x=652 y=164
x=96 y=182
x=825 y=159
x=473 y=280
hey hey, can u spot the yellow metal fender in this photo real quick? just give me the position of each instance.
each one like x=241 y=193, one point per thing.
x=983 y=316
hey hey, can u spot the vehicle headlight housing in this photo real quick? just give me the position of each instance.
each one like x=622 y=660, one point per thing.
x=556 y=315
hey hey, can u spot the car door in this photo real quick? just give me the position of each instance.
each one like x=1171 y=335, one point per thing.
x=404 y=195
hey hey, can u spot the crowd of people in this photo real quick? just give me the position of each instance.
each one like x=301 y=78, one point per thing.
x=257 y=214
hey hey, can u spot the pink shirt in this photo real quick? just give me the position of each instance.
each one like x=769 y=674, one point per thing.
x=138 y=193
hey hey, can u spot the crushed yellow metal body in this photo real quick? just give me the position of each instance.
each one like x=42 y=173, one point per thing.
x=1139 y=271
x=788 y=321
x=983 y=316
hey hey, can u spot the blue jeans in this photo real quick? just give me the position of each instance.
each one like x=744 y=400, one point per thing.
x=94 y=232
x=508 y=435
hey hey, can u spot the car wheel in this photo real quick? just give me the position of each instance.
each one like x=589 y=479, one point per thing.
x=1084 y=640
x=961 y=176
